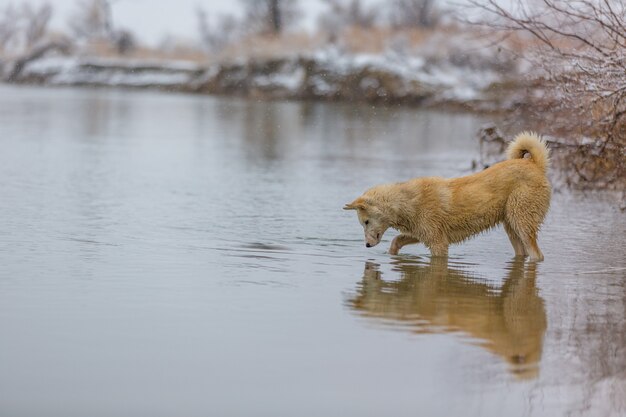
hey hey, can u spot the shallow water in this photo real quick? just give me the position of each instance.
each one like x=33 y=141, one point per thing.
x=182 y=255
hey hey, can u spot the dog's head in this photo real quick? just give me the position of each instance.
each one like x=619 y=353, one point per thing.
x=371 y=218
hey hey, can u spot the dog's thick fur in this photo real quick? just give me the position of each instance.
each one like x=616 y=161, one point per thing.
x=438 y=211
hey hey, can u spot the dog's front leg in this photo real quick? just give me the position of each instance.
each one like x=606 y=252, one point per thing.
x=399 y=241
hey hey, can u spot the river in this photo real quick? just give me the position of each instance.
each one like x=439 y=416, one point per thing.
x=166 y=254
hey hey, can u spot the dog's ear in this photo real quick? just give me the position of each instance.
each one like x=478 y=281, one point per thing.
x=358 y=204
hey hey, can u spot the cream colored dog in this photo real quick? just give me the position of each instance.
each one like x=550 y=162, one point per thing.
x=438 y=211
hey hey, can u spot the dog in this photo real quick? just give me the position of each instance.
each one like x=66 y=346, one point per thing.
x=438 y=211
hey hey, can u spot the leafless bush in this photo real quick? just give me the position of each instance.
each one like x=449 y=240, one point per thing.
x=578 y=50
x=344 y=14
x=414 y=14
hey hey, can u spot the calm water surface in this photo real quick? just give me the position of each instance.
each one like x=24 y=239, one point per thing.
x=171 y=255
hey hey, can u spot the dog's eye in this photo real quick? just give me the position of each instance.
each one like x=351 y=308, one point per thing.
x=367 y=222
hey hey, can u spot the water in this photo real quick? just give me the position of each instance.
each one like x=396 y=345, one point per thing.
x=181 y=255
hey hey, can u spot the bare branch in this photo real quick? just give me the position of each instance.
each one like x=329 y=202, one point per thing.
x=582 y=50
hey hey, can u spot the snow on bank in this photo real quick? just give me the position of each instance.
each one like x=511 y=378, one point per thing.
x=325 y=74
x=100 y=72
x=454 y=82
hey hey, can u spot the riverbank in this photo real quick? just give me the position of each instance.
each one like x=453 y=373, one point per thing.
x=472 y=83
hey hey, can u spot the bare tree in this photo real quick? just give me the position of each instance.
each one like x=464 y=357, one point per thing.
x=24 y=38
x=275 y=16
x=344 y=14
x=9 y=24
x=34 y=54
x=579 y=51
x=216 y=32
x=92 y=20
x=414 y=13
x=124 y=41
x=270 y=16
x=21 y=28
x=36 y=21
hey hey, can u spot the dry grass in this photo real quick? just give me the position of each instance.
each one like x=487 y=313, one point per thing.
x=353 y=40
x=104 y=49
x=376 y=40
x=270 y=46
x=379 y=39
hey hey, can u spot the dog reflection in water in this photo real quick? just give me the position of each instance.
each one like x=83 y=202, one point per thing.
x=509 y=321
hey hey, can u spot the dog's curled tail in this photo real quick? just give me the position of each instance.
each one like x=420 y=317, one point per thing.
x=533 y=144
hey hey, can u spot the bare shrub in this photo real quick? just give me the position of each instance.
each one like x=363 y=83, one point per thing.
x=578 y=52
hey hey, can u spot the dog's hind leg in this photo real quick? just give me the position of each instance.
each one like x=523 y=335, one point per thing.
x=399 y=241
x=527 y=233
x=516 y=242
x=439 y=249
x=524 y=215
x=530 y=245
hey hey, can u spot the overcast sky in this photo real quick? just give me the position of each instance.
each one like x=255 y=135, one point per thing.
x=151 y=20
